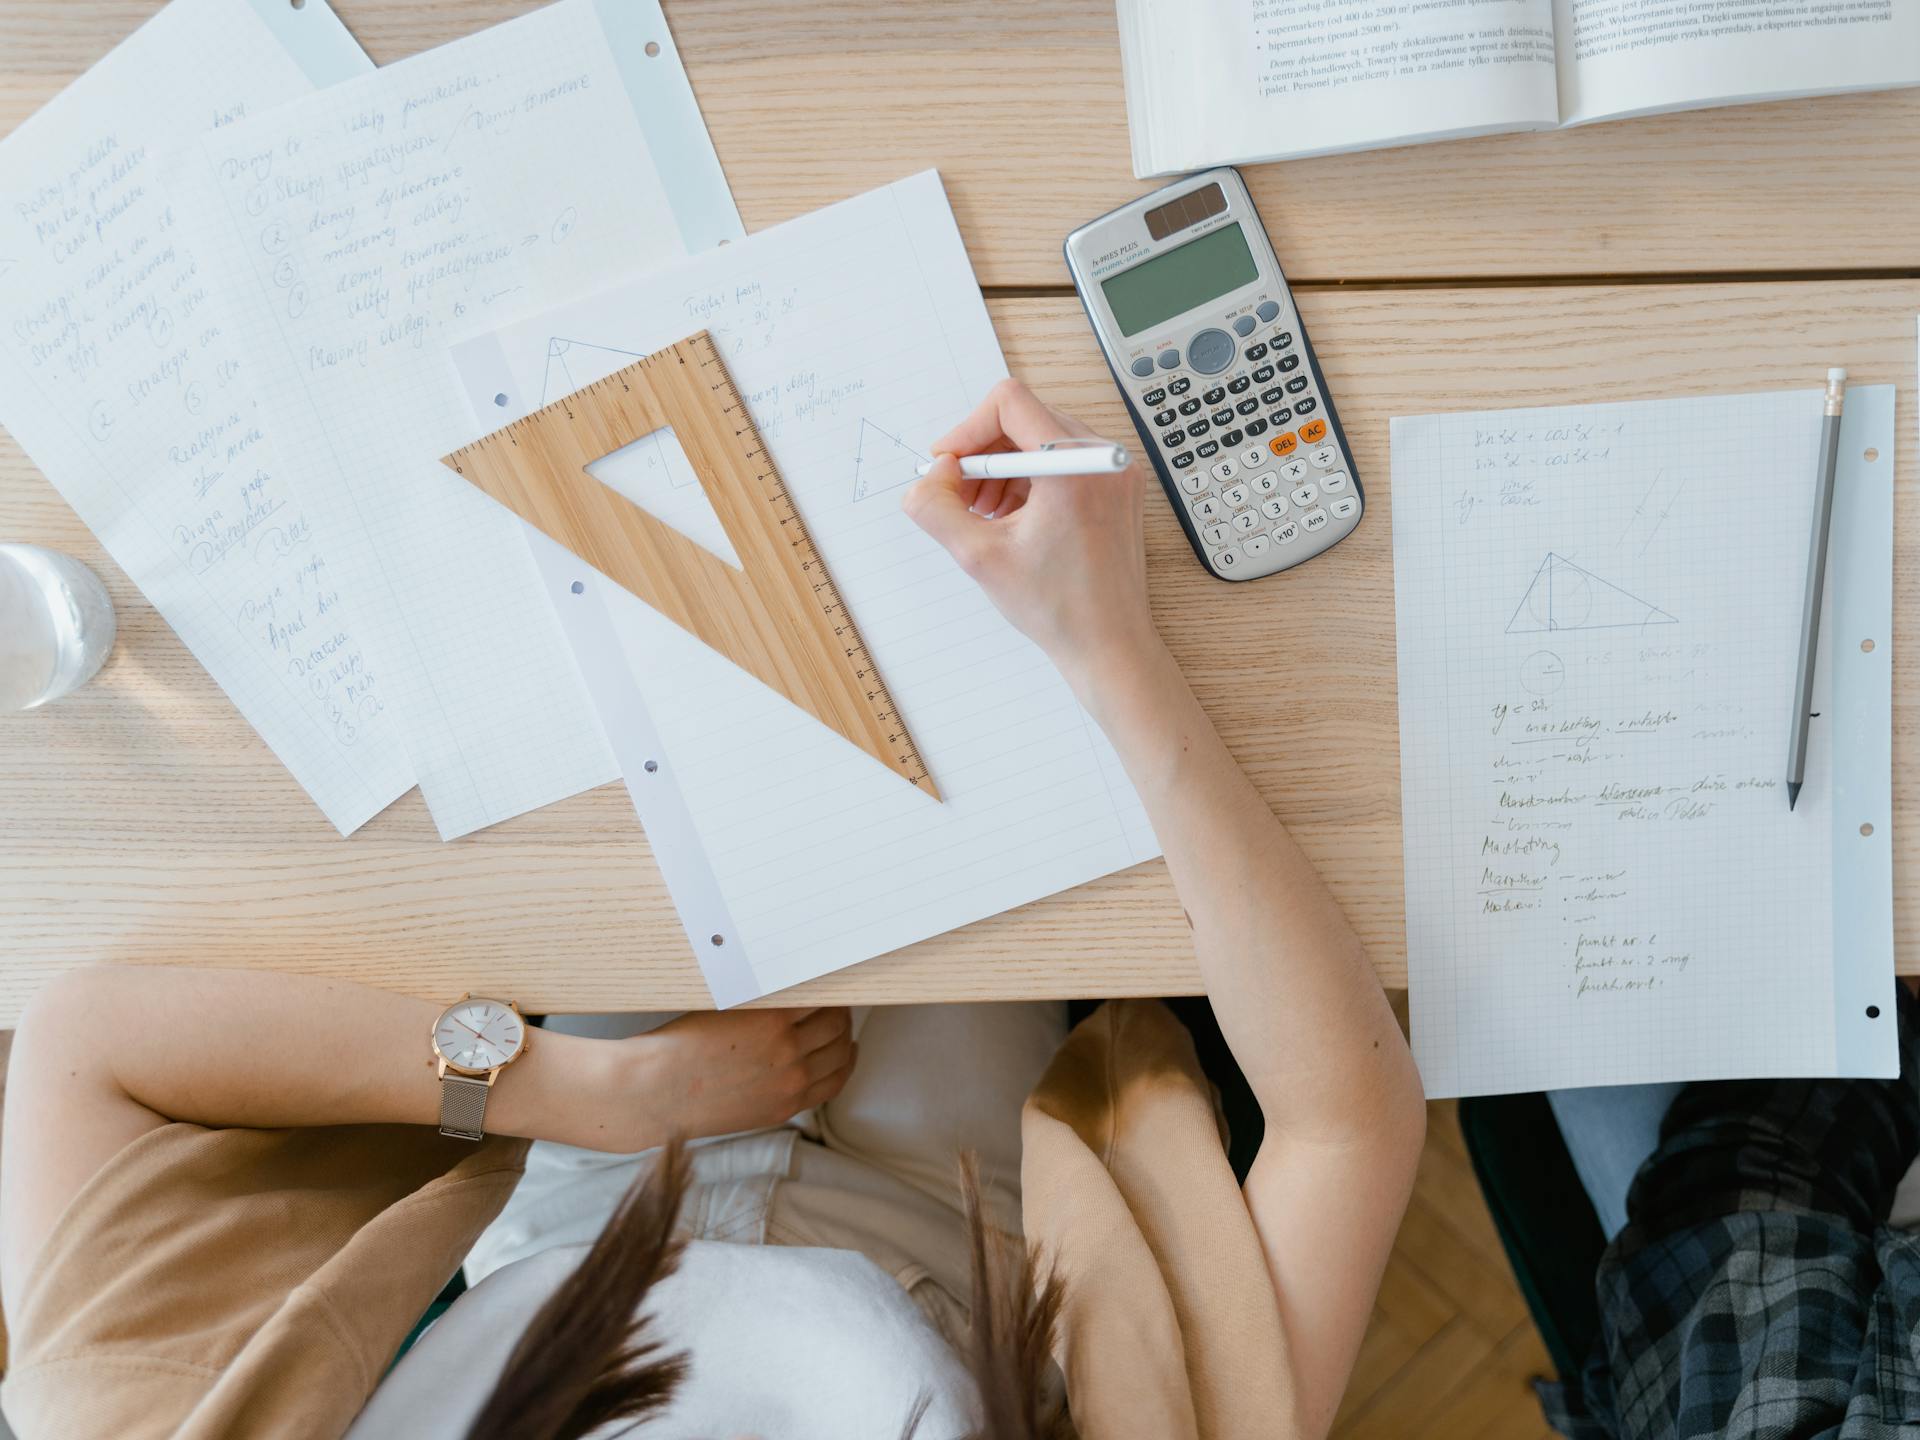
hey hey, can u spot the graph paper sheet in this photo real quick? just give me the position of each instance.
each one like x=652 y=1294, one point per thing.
x=1599 y=612
x=856 y=335
x=497 y=175
x=136 y=405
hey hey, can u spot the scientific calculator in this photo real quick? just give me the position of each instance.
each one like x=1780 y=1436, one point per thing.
x=1203 y=339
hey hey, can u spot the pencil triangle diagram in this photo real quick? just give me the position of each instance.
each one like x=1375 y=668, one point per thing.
x=882 y=461
x=1563 y=596
x=559 y=377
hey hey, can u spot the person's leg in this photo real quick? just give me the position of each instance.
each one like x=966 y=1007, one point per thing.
x=1246 y=1126
x=1610 y=1130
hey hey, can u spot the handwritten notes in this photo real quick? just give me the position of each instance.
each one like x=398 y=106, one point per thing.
x=1599 y=610
x=854 y=334
x=123 y=384
x=375 y=221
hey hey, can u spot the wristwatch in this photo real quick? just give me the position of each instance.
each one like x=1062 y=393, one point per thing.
x=473 y=1041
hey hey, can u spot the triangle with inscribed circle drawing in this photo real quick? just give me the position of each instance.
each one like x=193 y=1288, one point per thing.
x=1565 y=596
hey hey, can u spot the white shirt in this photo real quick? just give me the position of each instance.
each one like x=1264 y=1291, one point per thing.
x=827 y=1256
x=783 y=1344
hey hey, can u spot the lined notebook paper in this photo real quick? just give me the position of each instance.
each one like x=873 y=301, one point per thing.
x=1599 y=618
x=857 y=335
x=123 y=388
x=498 y=174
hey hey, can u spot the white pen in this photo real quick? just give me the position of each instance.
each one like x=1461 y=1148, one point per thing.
x=1056 y=457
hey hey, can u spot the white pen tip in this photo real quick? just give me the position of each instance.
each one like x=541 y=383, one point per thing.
x=1836 y=376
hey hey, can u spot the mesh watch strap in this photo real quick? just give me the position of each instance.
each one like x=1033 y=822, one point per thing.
x=463 y=1106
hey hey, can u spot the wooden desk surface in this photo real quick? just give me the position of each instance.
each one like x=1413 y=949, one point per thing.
x=143 y=819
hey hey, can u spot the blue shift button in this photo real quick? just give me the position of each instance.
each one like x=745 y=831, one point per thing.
x=1211 y=351
x=1143 y=367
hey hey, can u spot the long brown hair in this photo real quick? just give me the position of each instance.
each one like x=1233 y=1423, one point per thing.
x=587 y=1360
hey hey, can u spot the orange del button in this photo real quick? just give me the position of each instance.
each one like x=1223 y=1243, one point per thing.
x=1283 y=444
x=1313 y=430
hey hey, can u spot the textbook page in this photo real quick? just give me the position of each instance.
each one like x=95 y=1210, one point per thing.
x=132 y=399
x=856 y=336
x=1213 y=82
x=501 y=173
x=1599 y=613
x=1636 y=57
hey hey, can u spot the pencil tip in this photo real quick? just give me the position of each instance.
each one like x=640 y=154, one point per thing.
x=1793 y=794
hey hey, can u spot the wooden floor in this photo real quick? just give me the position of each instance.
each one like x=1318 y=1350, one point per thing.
x=1451 y=1354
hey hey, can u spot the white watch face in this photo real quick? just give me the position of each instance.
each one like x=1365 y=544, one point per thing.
x=479 y=1034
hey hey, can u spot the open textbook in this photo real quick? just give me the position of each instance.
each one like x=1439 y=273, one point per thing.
x=1212 y=82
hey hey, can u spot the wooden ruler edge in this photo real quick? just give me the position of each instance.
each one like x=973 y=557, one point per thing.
x=913 y=768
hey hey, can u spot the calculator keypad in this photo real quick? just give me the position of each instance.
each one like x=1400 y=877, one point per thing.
x=1257 y=465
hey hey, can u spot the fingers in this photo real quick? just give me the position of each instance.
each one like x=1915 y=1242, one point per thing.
x=836 y=1056
x=818 y=1028
x=831 y=1084
x=1010 y=412
x=940 y=503
x=987 y=502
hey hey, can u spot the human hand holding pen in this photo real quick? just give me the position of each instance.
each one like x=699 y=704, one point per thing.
x=1064 y=561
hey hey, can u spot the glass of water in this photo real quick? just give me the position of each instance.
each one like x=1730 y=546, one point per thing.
x=56 y=626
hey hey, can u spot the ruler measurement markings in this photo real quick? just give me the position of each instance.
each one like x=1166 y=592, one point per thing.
x=653 y=413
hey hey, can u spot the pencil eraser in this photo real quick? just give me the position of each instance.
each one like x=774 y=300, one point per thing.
x=1836 y=376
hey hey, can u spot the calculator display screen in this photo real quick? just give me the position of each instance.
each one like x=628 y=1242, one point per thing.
x=1177 y=280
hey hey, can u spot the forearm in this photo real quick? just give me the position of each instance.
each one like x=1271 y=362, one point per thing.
x=1295 y=994
x=264 y=1049
x=104 y=1056
x=1299 y=1003
x=107 y=1055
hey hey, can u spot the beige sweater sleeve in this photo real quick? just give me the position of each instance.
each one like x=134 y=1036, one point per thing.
x=242 y=1283
x=1170 y=1328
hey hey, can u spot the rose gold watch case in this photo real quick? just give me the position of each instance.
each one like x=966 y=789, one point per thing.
x=441 y=1064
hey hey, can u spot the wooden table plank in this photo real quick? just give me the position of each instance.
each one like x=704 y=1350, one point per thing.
x=142 y=819
x=1019 y=104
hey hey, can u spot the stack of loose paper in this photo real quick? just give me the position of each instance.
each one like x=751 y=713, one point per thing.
x=227 y=320
x=234 y=268
x=856 y=335
x=123 y=384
